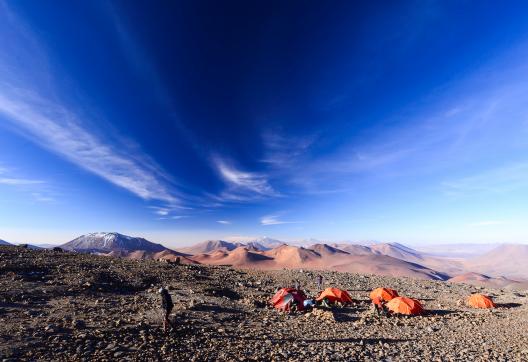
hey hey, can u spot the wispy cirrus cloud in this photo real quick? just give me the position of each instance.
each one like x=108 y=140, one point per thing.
x=242 y=185
x=18 y=181
x=39 y=190
x=497 y=180
x=282 y=151
x=161 y=211
x=7 y=178
x=56 y=128
x=275 y=220
x=169 y=212
x=172 y=217
x=30 y=104
x=224 y=222
x=40 y=197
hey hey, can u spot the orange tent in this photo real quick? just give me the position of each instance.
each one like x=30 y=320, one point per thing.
x=284 y=297
x=385 y=294
x=335 y=295
x=403 y=305
x=480 y=301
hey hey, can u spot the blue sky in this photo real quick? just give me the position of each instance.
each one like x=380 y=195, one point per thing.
x=396 y=121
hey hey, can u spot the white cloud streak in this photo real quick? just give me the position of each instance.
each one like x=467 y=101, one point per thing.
x=37 y=196
x=178 y=217
x=55 y=128
x=19 y=182
x=38 y=189
x=224 y=222
x=7 y=179
x=30 y=104
x=242 y=185
x=161 y=211
x=493 y=181
x=282 y=151
x=274 y=220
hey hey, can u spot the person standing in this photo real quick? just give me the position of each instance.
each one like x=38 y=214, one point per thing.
x=166 y=306
x=319 y=282
x=380 y=307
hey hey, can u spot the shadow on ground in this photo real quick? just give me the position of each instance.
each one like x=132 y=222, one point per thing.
x=318 y=340
x=215 y=309
x=508 y=305
x=439 y=312
x=345 y=315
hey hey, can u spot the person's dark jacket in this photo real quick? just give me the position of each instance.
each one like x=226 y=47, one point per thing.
x=166 y=300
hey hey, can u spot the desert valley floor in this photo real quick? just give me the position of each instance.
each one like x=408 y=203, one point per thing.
x=68 y=306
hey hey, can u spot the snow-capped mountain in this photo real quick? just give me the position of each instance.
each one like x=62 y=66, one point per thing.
x=104 y=242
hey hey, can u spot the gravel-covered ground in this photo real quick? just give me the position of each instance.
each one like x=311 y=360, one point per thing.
x=64 y=306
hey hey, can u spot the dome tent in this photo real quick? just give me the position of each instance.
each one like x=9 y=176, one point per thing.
x=335 y=295
x=384 y=294
x=404 y=305
x=480 y=301
x=285 y=297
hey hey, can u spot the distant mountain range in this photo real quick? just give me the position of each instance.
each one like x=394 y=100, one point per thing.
x=377 y=258
x=462 y=251
x=208 y=246
x=261 y=243
x=482 y=280
x=318 y=256
x=509 y=260
x=3 y=242
x=503 y=266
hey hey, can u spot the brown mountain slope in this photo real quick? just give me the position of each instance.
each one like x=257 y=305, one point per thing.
x=327 y=250
x=445 y=265
x=398 y=251
x=509 y=260
x=385 y=265
x=325 y=258
x=287 y=256
x=240 y=257
x=209 y=246
x=354 y=249
x=482 y=280
x=169 y=255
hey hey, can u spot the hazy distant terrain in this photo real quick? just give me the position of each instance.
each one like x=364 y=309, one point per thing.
x=502 y=266
x=462 y=251
x=509 y=260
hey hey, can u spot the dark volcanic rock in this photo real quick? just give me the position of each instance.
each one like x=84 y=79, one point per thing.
x=69 y=306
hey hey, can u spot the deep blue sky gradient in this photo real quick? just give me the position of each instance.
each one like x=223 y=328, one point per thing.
x=398 y=121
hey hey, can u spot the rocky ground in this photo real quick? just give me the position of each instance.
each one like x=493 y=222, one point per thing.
x=65 y=306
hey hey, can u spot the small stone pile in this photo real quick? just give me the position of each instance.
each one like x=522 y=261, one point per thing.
x=321 y=314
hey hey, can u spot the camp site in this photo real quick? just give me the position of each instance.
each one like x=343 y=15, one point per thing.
x=82 y=305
